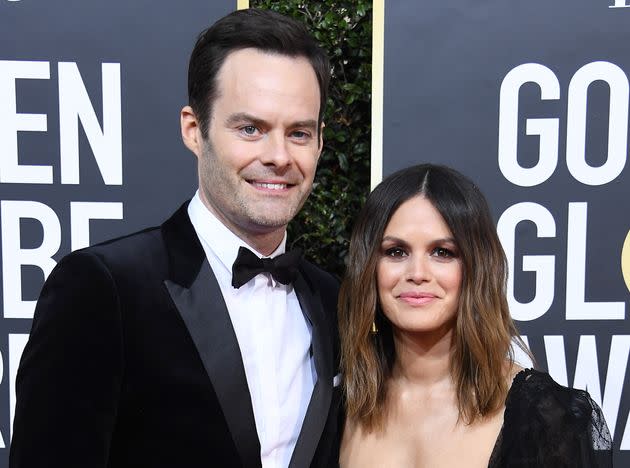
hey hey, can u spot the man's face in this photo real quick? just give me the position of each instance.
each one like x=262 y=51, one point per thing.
x=257 y=165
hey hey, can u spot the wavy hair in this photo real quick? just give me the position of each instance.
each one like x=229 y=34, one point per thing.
x=484 y=329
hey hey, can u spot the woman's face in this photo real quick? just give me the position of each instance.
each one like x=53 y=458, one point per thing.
x=419 y=273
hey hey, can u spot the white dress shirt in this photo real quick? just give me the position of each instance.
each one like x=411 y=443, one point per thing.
x=273 y=335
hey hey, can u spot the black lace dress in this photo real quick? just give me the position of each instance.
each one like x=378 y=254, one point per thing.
x=548 y=425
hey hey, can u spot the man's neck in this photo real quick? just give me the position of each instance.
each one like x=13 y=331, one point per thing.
x=264 y=244
x=263 y=240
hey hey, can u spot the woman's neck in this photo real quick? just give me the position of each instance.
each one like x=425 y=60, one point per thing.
x=422 y=358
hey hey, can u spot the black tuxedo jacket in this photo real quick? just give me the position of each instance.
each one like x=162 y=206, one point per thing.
x=132 y=361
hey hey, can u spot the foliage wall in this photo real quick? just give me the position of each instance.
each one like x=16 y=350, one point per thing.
x=344 y=30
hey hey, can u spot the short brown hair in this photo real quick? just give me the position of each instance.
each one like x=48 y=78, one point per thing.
x=264 y=30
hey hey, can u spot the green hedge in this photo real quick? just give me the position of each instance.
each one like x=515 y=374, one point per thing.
x=344 y=30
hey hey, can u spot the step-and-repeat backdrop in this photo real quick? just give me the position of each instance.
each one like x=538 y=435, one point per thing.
x=530 y=99
x=90 y=94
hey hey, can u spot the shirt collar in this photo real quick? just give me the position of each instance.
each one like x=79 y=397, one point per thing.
x=223 y=242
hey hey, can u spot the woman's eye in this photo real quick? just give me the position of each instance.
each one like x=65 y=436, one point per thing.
x=395 y=252
x=442 y=252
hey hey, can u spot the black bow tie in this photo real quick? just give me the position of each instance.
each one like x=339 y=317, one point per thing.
x=283 y=268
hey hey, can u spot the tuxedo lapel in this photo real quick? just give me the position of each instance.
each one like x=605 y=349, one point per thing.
x=317 y=411
x=196 y=294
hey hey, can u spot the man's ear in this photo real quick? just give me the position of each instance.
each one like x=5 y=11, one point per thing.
x=191 y=132
x=321 y=138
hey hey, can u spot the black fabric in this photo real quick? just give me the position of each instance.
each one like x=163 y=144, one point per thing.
x=283 y=268
x=548 y=425
x=121 y=364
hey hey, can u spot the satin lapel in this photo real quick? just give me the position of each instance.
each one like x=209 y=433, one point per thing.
x=196 y=294
x=319 y=405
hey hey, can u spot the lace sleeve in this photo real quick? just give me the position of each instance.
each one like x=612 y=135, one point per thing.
x=548 y=425
x=601 y=441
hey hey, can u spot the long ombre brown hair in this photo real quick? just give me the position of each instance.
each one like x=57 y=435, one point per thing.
x=484 y=329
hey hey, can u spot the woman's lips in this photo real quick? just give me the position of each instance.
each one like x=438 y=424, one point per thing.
x=415 y=298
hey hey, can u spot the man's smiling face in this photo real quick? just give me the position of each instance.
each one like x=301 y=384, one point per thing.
x=256 y=167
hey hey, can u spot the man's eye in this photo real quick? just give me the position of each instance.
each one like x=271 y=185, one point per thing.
x=299 y=134
x=395 y=252
x=249 y=130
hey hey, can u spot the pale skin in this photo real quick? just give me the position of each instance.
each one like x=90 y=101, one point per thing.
x=419 y=279
x=256 y=167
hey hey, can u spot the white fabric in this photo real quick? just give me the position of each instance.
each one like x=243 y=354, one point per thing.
x=273 y=335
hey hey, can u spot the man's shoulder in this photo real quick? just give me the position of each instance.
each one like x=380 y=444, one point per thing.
x=136 y=255
x=143 y=243
x=142 y=238
x=137 y=244
x=319 y=277
x=140 y=252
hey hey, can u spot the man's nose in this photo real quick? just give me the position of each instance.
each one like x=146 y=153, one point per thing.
x=276 y=151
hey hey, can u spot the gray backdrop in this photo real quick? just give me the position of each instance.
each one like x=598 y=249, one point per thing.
x=104 y=83
x=530 y=99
